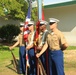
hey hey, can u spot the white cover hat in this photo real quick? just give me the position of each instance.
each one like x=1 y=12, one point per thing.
x=53 y=20
x=31 y=23
x=42 y=22
x=21 y=24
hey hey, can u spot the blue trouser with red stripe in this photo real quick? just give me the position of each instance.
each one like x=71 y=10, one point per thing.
x=22 y=62
x=32 y=61
x=56 y=62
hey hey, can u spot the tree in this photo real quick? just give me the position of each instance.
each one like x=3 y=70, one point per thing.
x=15 y=9
x=9 y=32
x=34 y=14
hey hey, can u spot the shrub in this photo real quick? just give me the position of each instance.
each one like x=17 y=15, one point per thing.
x=9 y=32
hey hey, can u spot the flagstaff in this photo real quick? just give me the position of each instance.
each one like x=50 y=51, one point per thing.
x=25 y=35
x=39 y=2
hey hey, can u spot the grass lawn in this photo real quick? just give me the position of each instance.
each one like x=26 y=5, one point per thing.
x=6 y=57
x=6 y=65
x=5 y=53
x=70 y=61
x=71 y=48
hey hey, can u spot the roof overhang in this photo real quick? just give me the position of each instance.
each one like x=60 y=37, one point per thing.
x=60 y=4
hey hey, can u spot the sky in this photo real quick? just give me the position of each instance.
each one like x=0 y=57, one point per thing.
x=46 y=2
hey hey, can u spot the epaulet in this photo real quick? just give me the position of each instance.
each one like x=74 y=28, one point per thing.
x=49 y=33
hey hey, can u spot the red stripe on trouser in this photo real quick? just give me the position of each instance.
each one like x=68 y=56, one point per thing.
x=47 y=63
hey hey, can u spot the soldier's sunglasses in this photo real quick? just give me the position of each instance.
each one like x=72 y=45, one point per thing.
x=29 y=25
x=51 y=23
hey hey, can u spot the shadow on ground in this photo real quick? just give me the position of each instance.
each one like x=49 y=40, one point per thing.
x=15 y=67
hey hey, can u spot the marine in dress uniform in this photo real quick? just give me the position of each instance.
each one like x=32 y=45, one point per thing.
x=21 y=44
x=30 y=48
x=56 y=43
x=41 y=41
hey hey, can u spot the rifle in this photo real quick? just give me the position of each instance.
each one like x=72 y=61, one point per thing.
x=27 y=64
x=42 y=70
x=15 y=63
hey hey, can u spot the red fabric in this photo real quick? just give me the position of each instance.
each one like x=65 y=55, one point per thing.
x=37 y=29
x=37 y=26
x=25 y=32
x=43 y=18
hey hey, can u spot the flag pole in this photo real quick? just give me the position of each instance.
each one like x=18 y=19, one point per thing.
x=40 y=17
x=39 y=3
x=28 y=18
x=40 y=68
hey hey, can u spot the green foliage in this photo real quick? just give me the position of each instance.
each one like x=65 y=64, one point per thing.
x=9 y=32
x=15 y=9
x=34 y=14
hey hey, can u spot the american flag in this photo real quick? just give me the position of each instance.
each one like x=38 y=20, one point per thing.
x=26 y=31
